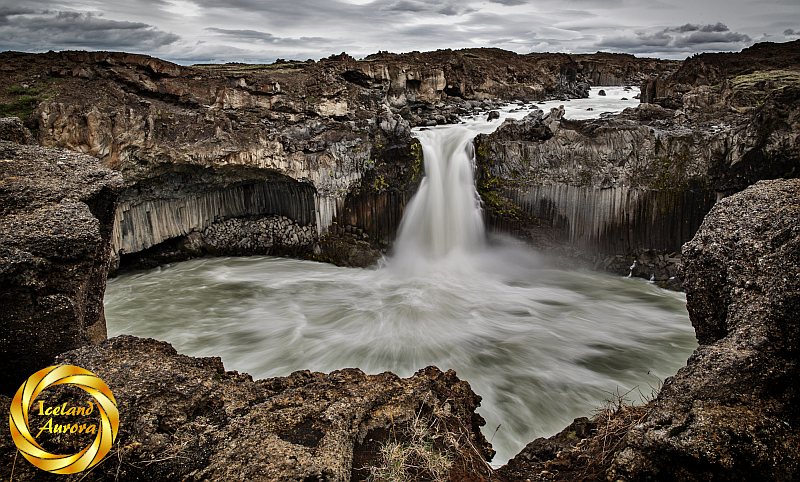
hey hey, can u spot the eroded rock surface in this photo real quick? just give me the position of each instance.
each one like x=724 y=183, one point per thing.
x=184 y=418
x=732 y=412
x=56 y=213
x=636 y=186
x=13 y=130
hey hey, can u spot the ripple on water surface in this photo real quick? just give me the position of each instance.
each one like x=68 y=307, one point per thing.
x=540 y=345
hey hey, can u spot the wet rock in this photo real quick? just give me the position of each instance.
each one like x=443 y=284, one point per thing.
x=184 y=418
x=56 y=214
x=493 y=115
x=601 y=93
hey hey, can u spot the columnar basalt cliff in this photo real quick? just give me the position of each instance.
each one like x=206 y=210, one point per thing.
x=227 y=160
x=636 y=186
x=335 y=131
x=731 y=412
x=56 y=214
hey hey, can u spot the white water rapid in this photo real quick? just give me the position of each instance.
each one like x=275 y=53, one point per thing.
x=541 y=345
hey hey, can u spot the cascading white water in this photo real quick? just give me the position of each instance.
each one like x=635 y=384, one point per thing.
x=540 y=345
x=444 y=215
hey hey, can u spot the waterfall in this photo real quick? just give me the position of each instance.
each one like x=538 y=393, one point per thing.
x=444 y=215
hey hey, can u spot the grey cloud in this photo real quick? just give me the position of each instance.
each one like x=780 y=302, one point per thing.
x=690 y=27
x=44 y=30
x=510 y=2
x=265 y=36
x=408 y=6
x=686 y=38
x=704 y=38
x=658 y=39
x=447 y=8
x=790 y=32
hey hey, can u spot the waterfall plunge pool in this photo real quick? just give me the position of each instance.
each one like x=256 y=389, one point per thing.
x=541 y=345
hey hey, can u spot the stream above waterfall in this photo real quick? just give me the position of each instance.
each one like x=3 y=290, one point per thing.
x=540 y=344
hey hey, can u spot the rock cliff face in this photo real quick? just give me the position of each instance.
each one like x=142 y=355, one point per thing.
x=731 y=413
x=636 y=186
x=56 y=216
x=622 y=69
x=333 y=133
x=185 y=418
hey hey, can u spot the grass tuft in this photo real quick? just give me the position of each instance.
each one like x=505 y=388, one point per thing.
x=418 y=458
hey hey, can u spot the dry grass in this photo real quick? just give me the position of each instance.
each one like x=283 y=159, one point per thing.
x=591 y=458
x=419 y=458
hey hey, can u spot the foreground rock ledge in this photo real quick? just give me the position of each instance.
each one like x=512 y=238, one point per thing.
x=185 y=418
x=732 y=412
x=56 y=214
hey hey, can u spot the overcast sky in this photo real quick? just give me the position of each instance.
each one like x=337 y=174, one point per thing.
x=190 y=31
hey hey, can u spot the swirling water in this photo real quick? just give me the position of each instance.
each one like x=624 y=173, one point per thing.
x=541 y=345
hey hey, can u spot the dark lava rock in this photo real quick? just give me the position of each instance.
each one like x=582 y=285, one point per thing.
x=532 y=127
x=56 y=214
x=732 y=412
x=13 y=130
x=184 y=418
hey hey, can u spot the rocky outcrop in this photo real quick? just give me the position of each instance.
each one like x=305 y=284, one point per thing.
x=56 y=216
x=622 y=69
x=184 y=418
x=636 y=186
x=731 y=413
x=609 y=191
x=720 y=70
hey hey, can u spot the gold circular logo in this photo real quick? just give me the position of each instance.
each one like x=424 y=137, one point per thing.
x=93 y=453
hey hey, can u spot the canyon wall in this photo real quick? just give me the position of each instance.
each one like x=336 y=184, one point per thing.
x=729 y=414
x=636 y=186
x=339 y=129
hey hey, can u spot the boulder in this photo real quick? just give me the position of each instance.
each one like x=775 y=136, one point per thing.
x=13 y=130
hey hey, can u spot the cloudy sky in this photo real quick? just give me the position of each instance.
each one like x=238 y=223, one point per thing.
x=190 y=31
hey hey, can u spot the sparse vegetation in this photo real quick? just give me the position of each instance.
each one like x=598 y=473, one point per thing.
x=380 y=184
x=22 y=100
x=417 y=164
x=767 y=79
x=416 y=459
